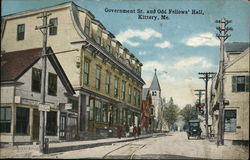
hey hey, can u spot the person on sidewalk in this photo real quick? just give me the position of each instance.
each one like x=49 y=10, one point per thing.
x=135 y=131
x=119 y=131
x=130 y=131
x=139 y=130
x=127 y=130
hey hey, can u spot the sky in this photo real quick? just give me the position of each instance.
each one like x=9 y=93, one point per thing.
x=178 y=46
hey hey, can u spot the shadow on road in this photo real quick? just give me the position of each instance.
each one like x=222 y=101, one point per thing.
x=152 y=156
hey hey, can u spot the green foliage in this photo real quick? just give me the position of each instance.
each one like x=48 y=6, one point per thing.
x=188 y=113
x=171 y=112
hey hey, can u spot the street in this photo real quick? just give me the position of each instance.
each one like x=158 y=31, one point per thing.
x=174 y=145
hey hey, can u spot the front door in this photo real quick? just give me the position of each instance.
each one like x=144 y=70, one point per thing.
x=62 y=131
x=36 y=119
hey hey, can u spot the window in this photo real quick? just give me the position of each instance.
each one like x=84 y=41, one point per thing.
x=230 y=120
x=5 y=119
x=154 y=93
x=240 y=83
x=129 y=94
x=116 y=87
x=51 y=127
x=98 y=78
x=138 y=98
x=87 y=26
x=107 y=84
x=99 y=36
x=22 y=120
x=116 y=51
x=104 y=113
x=134 y=96
x=52 y=84
x=91 y=109
x=20 y=32
x=98 y=110
x=115 y=116
x=108 y=44
x=121 y=116
x=53 y=29
x=36 y=80
x=86 y=73
x=74 y=105
x=123 y=90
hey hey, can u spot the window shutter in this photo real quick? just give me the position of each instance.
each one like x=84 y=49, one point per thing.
x=247 y=83
x=234 y=84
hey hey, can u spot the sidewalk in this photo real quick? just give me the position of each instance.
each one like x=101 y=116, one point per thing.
x=32 y=151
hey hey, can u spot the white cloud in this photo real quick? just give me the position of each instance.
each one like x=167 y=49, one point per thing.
x=203 y=39
x=125 y=36
x=190 y=62
x=165 y=44
x=151 y=65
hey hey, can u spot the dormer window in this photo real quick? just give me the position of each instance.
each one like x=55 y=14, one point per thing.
x=99 y=36
x=87 y=26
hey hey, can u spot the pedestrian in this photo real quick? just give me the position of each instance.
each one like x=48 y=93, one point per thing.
x=135 y=131
x=130 y=130
x=139 y=130
x=127 y=130
x=119 y=131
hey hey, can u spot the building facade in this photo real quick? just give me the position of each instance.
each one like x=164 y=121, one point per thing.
x=236 y=91
x=104 y=74
x=20 y=98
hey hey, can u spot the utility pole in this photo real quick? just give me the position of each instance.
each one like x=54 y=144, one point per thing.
x=199 y=94
x=206 y=77
x=222 y=36
x=43 y=29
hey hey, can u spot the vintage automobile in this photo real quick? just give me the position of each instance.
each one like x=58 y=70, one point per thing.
x=194 y=129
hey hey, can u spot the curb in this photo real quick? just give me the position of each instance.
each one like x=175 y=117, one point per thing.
x=83 y=146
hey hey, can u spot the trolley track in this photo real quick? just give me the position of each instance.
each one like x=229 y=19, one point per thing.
x=126 y=151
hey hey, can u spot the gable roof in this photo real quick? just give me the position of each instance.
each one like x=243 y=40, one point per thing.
x=155 y=83
x=236 y=46
x=15 y=64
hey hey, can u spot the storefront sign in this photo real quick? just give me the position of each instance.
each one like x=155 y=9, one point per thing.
x=44 y=107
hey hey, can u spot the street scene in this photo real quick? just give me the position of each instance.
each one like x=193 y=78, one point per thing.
x=162 y=79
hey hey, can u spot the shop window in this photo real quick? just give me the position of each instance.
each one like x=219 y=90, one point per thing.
x=74 y=103
x=22 y=120
x=5 y=119
x=104 y=114
x=230 y=120
x=51 y=127
x=53 y=29
x=98 y=110
x=240 y=83
x=52 y=84
x=36 y=80
x=91 y=109
x=20 y=32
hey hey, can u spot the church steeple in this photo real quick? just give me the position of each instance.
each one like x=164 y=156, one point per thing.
x=155 y=83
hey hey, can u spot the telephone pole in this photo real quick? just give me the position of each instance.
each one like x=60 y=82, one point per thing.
x=42 y=129
x=222 y=36
x=206 y=77
x=199 y=94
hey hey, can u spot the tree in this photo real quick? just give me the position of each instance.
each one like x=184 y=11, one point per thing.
x=171 y=112
x=188 y=112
